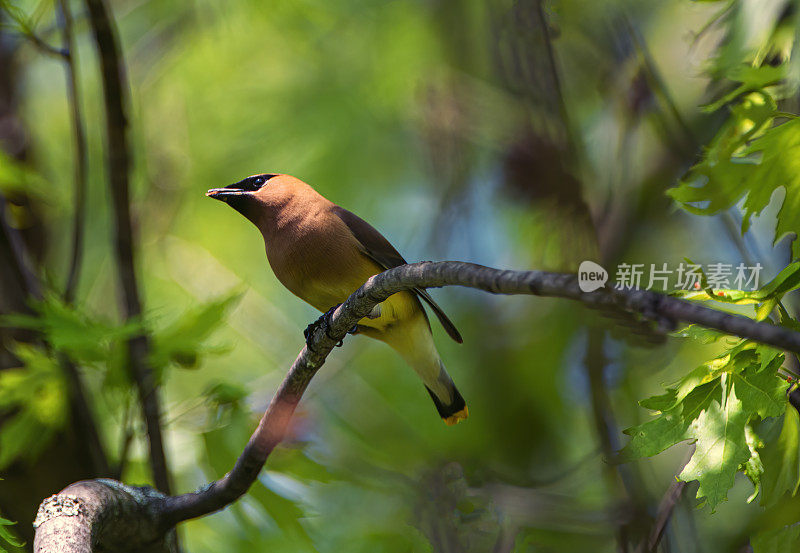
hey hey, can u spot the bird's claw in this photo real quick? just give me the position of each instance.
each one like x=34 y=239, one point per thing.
x=325 y=319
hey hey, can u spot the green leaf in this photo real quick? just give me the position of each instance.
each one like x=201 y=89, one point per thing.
x=762 y=392
x=767 y=354
x=225 y=393
x=663 y=402
x=781 y=540
x=83 y=338
x=721 y=449
x=691 y=410
x=753 y=468
x=781 y=458
x=763 y=310
x=296 y=462
x=7 y=536
x=750 y=371
x=787 y=320
x=700 y=334
x=786 y=281
x=285 y=512
x=751 y=78
x=35 y=396
x=184 y=341
x=670 y=427
x=746 y=162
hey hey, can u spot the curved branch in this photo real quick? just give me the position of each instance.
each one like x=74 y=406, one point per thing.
x=665 y=310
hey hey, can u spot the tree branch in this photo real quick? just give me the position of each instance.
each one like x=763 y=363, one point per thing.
x=85 y=516
x=81 y=155
x=115 y=88
x=665 y=510
x=164 y=512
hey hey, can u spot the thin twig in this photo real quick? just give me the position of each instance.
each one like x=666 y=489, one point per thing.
x=659 y=86
x=115 y=94
x=595 y=366
x=572 y=139
x=125 y=440
x=665 y=510
x=27 y=31
x=99 y=459
x=84 y=418
x=80 y=150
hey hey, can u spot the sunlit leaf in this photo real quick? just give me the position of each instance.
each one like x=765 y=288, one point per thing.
x=700 y=334
x=752 y=173
x=670 y=427
x=761 y=392
x=721 y=449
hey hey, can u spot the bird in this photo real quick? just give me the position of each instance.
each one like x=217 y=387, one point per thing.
x=322 y=253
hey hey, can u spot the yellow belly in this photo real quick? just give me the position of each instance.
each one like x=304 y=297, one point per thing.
x=403 y=307
x=325 y=281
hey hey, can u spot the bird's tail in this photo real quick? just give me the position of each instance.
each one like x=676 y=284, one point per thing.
x=414 y=342
x=446 y=397
x=453 y=408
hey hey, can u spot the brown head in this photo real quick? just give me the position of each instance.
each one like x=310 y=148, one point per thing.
x=262 y=198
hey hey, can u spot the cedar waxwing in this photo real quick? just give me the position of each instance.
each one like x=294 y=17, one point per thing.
x=323 y=253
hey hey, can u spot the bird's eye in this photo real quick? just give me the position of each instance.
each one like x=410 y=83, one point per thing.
x=258 y=182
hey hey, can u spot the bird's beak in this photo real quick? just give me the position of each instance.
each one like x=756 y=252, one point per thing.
x=229 y=191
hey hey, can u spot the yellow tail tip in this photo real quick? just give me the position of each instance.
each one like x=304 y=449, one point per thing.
x=455 y=418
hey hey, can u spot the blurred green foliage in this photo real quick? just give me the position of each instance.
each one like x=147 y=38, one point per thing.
x=7 y=536
x=36 y=394
x=493 y=132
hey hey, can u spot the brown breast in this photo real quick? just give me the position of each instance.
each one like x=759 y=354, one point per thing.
x=316 y=257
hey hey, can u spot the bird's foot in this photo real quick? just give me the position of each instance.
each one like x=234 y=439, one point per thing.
x=325 y=319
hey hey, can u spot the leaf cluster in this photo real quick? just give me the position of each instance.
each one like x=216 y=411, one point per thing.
x=754 y=153
x=717 y=406
x=34 y=396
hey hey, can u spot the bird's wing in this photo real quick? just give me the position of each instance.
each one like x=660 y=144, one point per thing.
x=378 y=248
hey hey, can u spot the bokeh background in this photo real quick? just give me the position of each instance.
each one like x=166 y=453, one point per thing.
x=513 y=134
